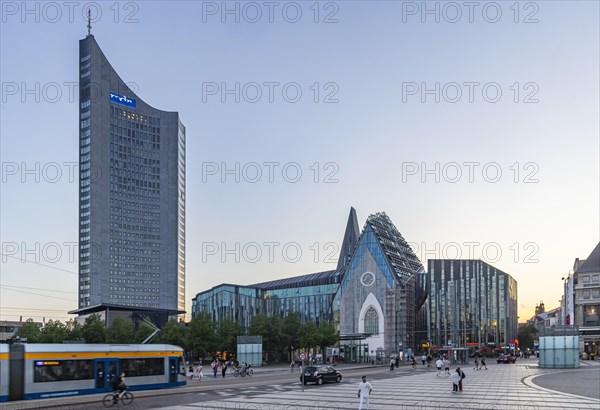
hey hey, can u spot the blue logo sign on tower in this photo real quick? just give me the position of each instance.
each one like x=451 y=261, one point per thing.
x=121 y=99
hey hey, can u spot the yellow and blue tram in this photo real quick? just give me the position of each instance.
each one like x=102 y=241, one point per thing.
x=33 y=371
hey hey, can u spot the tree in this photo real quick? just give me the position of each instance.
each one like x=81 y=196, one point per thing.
x=309 y=337
x=202 y=336
x=120 y=331
x=174 y=333
x=143 y=331
x=270 y=330
x=227 y=334
x=327 y=336
x=54 y=331
x=93 y=329
x=291 y=327
x=30 y=331
x=526 y=336
x=74 y=330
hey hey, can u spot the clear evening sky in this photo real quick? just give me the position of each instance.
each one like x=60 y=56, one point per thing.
x=362 y=135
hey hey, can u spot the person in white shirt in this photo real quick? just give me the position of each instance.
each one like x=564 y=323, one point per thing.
x=439 y=364
x=364 y=391
x=455 y=377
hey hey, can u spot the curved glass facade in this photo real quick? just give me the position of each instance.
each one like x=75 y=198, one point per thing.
x=132 y=193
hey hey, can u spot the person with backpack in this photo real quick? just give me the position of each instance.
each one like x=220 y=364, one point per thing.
x=119 y=386
x=455 y=377
x=462 y=376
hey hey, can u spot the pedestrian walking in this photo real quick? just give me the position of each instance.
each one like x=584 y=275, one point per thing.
x=224 y=369
x=364 y=391
x=447 y=367
x=483 y=364
x=476 y=364
x=414 y=363
x=215 y=367
x=461 y=375
x=429 y=360
x=199 y=372
x=439 y=364
x=292 y=366
x=423 y=359
x=392 y=362
x=191 y=371
x=455 y=377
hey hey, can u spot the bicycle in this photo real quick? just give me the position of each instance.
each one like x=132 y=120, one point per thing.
x=125 y=398
x=243 y=373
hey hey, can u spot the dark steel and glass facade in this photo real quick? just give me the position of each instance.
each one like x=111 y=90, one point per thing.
x=131 y=193
x=470 y=304
x=310 y=296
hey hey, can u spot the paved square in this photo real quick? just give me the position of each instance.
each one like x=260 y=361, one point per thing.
x=501 y=387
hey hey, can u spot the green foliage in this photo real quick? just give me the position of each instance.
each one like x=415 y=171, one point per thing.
x=309 y=336
x=202 y=337
x=120 y=331
x=174 y=333
x=93 y=329
x=526 y=336
x=30 y=331
x=227 y=334
x=327 y=336
x=291 y=328
x=74 y=330
x=54 y=331
x=270 y=330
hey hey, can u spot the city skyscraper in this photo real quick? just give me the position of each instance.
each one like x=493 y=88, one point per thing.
x=131 y=195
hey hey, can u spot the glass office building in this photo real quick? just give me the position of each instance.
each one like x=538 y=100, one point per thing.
x=131 y=194
x=309 y=295
x=470 y=304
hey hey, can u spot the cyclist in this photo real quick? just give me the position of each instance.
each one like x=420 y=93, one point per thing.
x=118 y=385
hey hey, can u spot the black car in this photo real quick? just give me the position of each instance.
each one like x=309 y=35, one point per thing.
x=320 y=375
x=504 y=358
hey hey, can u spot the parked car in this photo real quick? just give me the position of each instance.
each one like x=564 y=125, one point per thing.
x=320 y=375
x=504 y=358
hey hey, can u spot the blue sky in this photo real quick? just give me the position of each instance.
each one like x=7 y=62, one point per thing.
x=371 y=146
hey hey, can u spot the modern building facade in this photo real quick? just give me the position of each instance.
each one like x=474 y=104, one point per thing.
x=470 y=304
x=310 y=296
x=131 y=194
x=372 y=296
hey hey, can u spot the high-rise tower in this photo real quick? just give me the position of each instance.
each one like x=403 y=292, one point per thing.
x=131 y=194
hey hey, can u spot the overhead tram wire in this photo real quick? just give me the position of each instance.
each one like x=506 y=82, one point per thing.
x=60 y=269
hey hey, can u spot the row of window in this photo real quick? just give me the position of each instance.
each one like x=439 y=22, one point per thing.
x=134 y=235
x=143 y=274
x=585 y=294
x=134 y=227
x=145 y=221
x=129 y=296
x=136 y=205
x=138 y=118
x=135 y=266
x=588 y=278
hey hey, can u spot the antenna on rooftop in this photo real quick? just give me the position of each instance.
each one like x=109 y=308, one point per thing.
x=89 y=25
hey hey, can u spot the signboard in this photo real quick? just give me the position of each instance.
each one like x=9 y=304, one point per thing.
x=302 y=356
x=123 y=100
